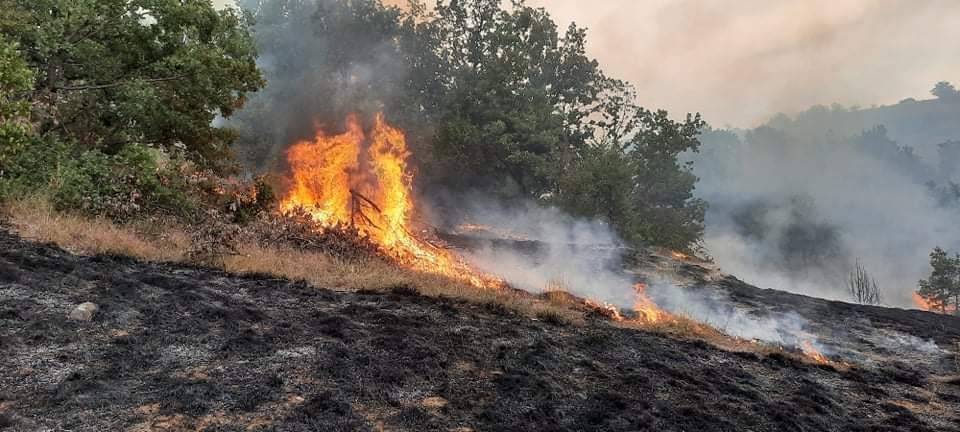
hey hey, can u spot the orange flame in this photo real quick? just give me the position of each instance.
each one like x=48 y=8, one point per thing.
x=920 y=302
x=924 y=304
x=813 y=353
x=646 y=309
x=337 y=183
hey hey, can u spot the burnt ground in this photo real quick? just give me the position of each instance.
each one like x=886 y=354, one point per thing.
x=175 y=347
x=876 y=336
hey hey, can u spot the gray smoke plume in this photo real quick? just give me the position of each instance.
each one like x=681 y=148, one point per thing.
x=320 y=65
x=795 y=203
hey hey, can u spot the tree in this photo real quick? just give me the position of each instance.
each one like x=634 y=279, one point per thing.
x=15 y=82
x=945 y=91
x=863 y=288
x=115 y=72
x=942 y=289
x=662 y=209
x=513 y=96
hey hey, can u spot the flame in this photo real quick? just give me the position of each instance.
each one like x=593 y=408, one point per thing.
x=679 y=255
x=646 y=309
x=920 y=302
x=606 y=309
x=813 y=353
x=924 y=304
x=338 y=183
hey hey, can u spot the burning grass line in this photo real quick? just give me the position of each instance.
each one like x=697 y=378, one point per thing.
x=35 y=219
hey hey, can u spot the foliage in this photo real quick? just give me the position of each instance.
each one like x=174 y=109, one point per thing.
x=863 y=288
x=632 y=175
x=119 y=186
x=942 y=289
x=15 y=129
x=512 y=96
x=113 y=73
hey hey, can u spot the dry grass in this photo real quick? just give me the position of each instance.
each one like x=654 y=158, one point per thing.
x=35 y=219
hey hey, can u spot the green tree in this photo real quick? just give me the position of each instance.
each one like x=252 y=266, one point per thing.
x=512 y=99
x=110 y=73
x=16 y=80
x=942 y=289
x=659 y=187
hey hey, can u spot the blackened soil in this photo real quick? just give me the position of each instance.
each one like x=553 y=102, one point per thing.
x=182 y=348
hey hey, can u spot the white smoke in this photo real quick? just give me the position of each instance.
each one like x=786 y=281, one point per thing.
x=586 y=258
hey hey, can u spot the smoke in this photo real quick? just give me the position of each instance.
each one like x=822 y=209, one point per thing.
x=321 y=61
x=793 y=207
x=586 y=258
x=738 y=62
x=712 y=307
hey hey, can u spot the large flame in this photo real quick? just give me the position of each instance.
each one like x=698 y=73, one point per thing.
x=338 y=183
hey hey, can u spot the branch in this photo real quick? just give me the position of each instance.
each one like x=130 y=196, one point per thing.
x=117 y=84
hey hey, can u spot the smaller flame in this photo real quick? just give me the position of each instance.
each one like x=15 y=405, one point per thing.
x=607 y=309
x=813 y=353
x=924 y=304
x=647 y=311
x=679 y=255
x=920 y=302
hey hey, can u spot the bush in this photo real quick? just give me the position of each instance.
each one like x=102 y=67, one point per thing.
x=119 y=186
x=32 y=167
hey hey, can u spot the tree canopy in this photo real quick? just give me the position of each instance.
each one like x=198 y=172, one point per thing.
x=110 y=73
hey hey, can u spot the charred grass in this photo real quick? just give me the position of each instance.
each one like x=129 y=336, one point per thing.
x=178 y=347
x=166 y=241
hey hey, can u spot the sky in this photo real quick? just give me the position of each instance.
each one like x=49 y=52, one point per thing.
x=741 y=61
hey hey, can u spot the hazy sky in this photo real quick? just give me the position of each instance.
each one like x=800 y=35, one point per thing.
x=740 y=61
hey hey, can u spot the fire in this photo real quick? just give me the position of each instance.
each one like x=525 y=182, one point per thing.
x=813 y=353
x=339 y=183
x=920 y=302
x=679 y=255
x=924 y=304
x=646 y=309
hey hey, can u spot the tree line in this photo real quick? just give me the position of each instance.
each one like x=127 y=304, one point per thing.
x=104 y=102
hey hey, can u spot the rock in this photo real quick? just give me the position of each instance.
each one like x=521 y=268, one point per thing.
x=83 y=312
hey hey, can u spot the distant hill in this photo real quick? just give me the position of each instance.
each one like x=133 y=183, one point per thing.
x=921 y=124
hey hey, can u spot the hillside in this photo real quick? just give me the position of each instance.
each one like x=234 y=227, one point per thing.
x=175 y=347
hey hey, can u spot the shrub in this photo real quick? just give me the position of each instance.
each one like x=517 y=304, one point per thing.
x=119 y=186
x=863 y=288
